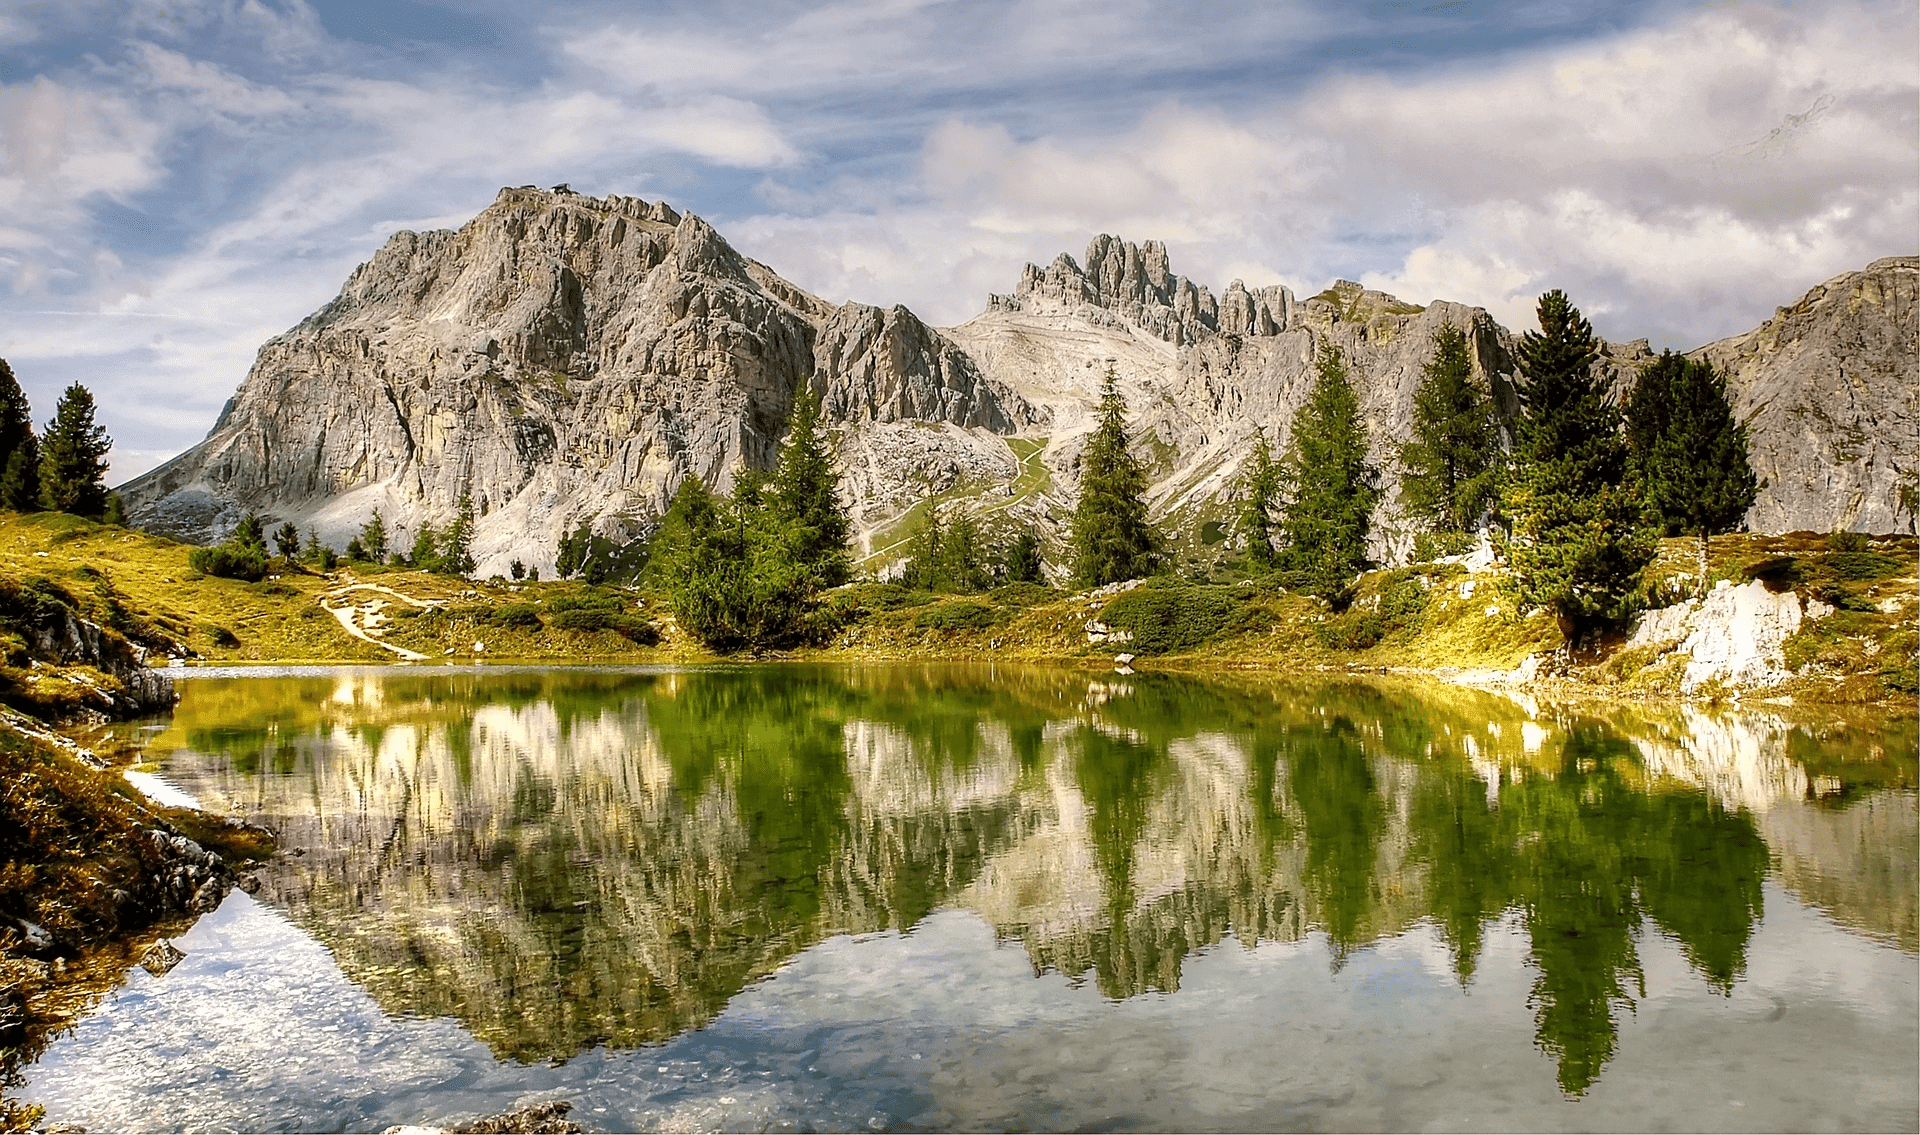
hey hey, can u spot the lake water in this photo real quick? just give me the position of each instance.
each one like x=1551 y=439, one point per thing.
x=901 y=897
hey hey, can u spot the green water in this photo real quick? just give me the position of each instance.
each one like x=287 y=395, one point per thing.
x=991 y=897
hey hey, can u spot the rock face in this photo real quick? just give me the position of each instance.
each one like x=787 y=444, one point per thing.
x=560 y=358
x=563 y=358
x=1830 y=390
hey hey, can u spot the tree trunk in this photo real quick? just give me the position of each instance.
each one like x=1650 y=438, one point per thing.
x=1703 y=563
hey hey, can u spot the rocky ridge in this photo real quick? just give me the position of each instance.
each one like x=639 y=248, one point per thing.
x=563 y=358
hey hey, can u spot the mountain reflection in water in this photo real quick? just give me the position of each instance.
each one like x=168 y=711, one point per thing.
x=567 y=859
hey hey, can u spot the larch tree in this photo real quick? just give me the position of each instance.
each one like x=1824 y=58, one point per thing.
x=1690 y=453
x=1328 y=484
x=1451 y=464
x=1112 y=538
x=1578 y=543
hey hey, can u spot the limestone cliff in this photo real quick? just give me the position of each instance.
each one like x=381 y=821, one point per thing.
x=560 y=358
x=563 y=358
x=1830 y=391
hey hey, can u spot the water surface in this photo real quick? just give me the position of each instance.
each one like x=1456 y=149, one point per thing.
x=1003 y=898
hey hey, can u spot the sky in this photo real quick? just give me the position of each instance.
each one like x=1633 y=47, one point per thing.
x=181 y=180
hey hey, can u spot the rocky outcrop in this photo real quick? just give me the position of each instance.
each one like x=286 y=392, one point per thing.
x=564 y=358
x=875 y=365
x=1732 y=638
x=1830 y=391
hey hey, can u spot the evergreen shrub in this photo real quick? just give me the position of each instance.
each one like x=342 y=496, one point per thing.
x=956 y=615
x=1175 y=616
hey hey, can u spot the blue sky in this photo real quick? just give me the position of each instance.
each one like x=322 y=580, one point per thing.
x=182 y=179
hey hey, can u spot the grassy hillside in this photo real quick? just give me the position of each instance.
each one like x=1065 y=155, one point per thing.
x=1435 y=616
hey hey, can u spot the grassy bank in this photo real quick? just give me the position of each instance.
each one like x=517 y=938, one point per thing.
x=1435 y=617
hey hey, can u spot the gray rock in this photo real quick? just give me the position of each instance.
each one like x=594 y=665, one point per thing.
x=1830 y=391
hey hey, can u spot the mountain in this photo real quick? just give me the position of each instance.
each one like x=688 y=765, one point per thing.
x=564 y=359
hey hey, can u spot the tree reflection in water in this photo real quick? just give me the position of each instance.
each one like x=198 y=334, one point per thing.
x=566 y=859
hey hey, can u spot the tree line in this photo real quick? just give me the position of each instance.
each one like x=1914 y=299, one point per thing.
x=62 y=469
x=1574 y=490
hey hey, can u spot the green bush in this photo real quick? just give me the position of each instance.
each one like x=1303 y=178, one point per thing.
x=230 y=561
x=956 y=615
x=522 y=615
x=1355 y=629
x=1022 y=595
x=596 y=611
x=1861 y=564
x=1846 y=542
x=891 y=597
x=1173 y=616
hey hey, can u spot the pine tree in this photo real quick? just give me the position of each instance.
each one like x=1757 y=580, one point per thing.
x=456 y=542
x=286 y=541
x=73 y=455
x=1688 y=451
x=1021 y=559
x=1577 y=546
x=372 y=540
x=251 y=532
x=804 y=498
x=1259 y=493
x=19 y=449
x=1452 y=461
x=922 y=570
x=1328 y=484
x=962 y=566
x=20 y=481
x=1112 y=537
x=116 y=513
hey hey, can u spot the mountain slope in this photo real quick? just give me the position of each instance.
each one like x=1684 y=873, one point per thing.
x=564 y=359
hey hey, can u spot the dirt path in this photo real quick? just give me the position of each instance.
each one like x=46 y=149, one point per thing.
x=366 y=621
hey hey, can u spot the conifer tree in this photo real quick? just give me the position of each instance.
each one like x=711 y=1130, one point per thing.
x=1112 y=537
x=922 y=570
x=1259 y=493
x=1328 y=484
x=372 y=540
x=1451 y=464
x=251 y=532
x=805 y=501
x=73 y=454
x=286 y=541
x=1689 y=452
x=20 y=480
x=1021 y=559
x=19 y=449
x=1577 y=545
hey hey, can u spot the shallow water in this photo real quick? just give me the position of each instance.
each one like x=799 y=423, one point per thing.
x=993 y=898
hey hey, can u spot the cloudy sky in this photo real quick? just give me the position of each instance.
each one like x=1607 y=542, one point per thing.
x=181 y=179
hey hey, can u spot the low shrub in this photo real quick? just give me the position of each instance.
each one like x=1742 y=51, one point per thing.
x=230 y=561
x=1173 y=616
x=891 y=597
x=956 y=615
x=524 y=616
x=1354 y=629
x=1861 y=564
x=1022 y=595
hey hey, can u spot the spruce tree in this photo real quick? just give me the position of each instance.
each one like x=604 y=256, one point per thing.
x=1021 y=559
x=804 y=497
x=1259 y=493
x=1112 y=537
x=1328 y=484
x=1688 y=451
x=922 y=569
x=286 y=541
x=1577 y=545
x=73 y=455
x=1451 y=463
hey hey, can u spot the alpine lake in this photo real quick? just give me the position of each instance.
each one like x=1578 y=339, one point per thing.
x=783 y=897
